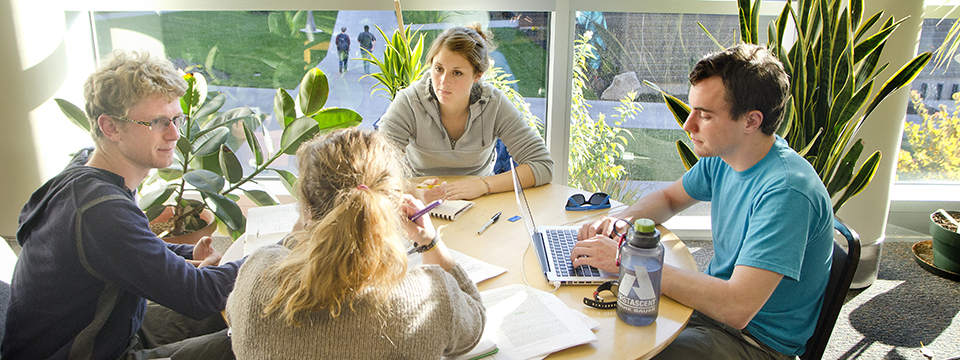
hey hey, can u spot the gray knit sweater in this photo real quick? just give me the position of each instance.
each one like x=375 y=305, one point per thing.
x=433 y=313
x=412 y=123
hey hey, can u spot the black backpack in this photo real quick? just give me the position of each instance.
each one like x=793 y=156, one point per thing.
x=343 y=42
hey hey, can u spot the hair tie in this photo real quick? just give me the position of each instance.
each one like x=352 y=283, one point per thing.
x=362 y=187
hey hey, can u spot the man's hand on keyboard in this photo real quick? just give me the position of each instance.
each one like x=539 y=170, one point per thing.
x=598 y=251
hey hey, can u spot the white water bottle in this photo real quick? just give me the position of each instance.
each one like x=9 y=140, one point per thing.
x=641 y=268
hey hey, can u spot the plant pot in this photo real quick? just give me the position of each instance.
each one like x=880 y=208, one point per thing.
x=193 y=237
x=946 y=244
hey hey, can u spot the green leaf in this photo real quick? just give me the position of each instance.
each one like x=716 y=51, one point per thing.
x=204 y=180
x=871 y=43
x=283 y=108
x=226 y=210
x=74 y=114
x=210 y=142
x=260 y=197
x=154 y=211
x=866 y=26
x=844 y=173
x=715 y=42
x=210 y=107
x=183 y=146
x=289 y=181
x=313 y=91
x=904 y=76
x=337 y=118
x=861 y=180
x=230 y=165
x=297 y=132
x=156 y=197
x=254 y=145
x=169 y=174
x=686 y=155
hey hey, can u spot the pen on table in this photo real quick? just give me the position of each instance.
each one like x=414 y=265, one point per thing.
x=422 y=186
x=425 y=210
x=490 y=222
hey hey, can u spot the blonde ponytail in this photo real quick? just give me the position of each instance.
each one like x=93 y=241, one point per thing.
x=350 y=186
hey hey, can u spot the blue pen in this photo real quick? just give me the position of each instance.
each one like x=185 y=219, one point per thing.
x=425 y=210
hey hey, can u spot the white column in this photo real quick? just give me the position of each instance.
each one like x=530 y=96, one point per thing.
x=867 y=212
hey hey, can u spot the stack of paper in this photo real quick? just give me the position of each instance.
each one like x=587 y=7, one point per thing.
x=527 y=323
x=267 y=225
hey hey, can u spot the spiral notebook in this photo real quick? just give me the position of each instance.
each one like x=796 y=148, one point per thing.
x=451 y=209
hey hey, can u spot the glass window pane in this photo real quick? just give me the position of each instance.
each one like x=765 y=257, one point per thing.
x=930 y=149
x=625 y=50
x=247 y=55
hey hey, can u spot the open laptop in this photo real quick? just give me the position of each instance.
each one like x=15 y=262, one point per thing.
x=553 y=244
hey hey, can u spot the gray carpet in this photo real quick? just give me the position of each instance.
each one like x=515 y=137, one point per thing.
x=888 y=320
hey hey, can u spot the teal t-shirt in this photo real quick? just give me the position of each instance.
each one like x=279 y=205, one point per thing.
x=775 y=216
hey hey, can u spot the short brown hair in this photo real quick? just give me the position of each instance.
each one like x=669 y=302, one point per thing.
x=470 y=41
x=125 y=79
x=754 y=80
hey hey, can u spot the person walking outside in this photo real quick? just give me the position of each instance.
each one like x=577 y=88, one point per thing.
x=343 y=48
x=366 y=41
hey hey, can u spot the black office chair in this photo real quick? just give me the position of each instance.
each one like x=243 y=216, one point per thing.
x=4 y=301
x=841 y=275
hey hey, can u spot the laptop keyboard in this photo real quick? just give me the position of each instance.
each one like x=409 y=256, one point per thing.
x=566 y=239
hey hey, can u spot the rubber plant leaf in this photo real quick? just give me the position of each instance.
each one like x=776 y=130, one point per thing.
x=297 y=132
x=283 y=108
x=260 y=197
x=230 y=165
x=74 y=114
x=254 y=144
x=288 y=179
x=337 y=118
x=313 y=91
x=210 y=142
x=205 y=180
x=156 y=197
x=226 y=210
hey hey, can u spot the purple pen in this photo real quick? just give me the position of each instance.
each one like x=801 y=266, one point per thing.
x=425 y=210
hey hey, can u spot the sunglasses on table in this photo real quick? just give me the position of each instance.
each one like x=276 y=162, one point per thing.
x=578 y=202
x=158 y=124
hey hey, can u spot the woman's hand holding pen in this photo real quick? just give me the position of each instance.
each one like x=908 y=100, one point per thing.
x=422 y=232
x=432 y=189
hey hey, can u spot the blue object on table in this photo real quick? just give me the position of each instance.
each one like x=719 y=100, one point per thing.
x=514 y=218
x=577 y=202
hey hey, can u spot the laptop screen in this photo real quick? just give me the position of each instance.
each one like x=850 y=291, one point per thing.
x=522 y=201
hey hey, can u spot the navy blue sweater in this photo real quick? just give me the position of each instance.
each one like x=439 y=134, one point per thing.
x=86 y=245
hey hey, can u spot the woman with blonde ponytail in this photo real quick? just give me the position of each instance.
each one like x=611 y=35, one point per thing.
x=339 y=287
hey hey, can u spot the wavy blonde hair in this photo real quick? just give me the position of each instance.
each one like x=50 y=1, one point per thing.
x=125 y=79
x=351 y=246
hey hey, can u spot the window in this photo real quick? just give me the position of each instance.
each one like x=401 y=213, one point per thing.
x=219 y=44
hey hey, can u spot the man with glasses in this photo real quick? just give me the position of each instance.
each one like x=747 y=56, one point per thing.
x=772 y=218
x=89 y=262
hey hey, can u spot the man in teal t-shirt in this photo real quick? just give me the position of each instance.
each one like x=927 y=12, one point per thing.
x=772 y=220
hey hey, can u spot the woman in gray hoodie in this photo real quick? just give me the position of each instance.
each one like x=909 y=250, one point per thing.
x=448 y=122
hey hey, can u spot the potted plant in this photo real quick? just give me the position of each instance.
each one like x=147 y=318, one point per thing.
x=206 y=164
x=830 y=85
x=946 y=240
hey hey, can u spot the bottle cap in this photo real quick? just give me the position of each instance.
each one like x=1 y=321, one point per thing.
x=645 y=234
x=644 y=226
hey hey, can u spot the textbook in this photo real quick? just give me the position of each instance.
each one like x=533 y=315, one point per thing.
x=451 y=209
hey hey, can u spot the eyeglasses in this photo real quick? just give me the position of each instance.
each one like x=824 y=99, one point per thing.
x=578 y=202
x=158 y=124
